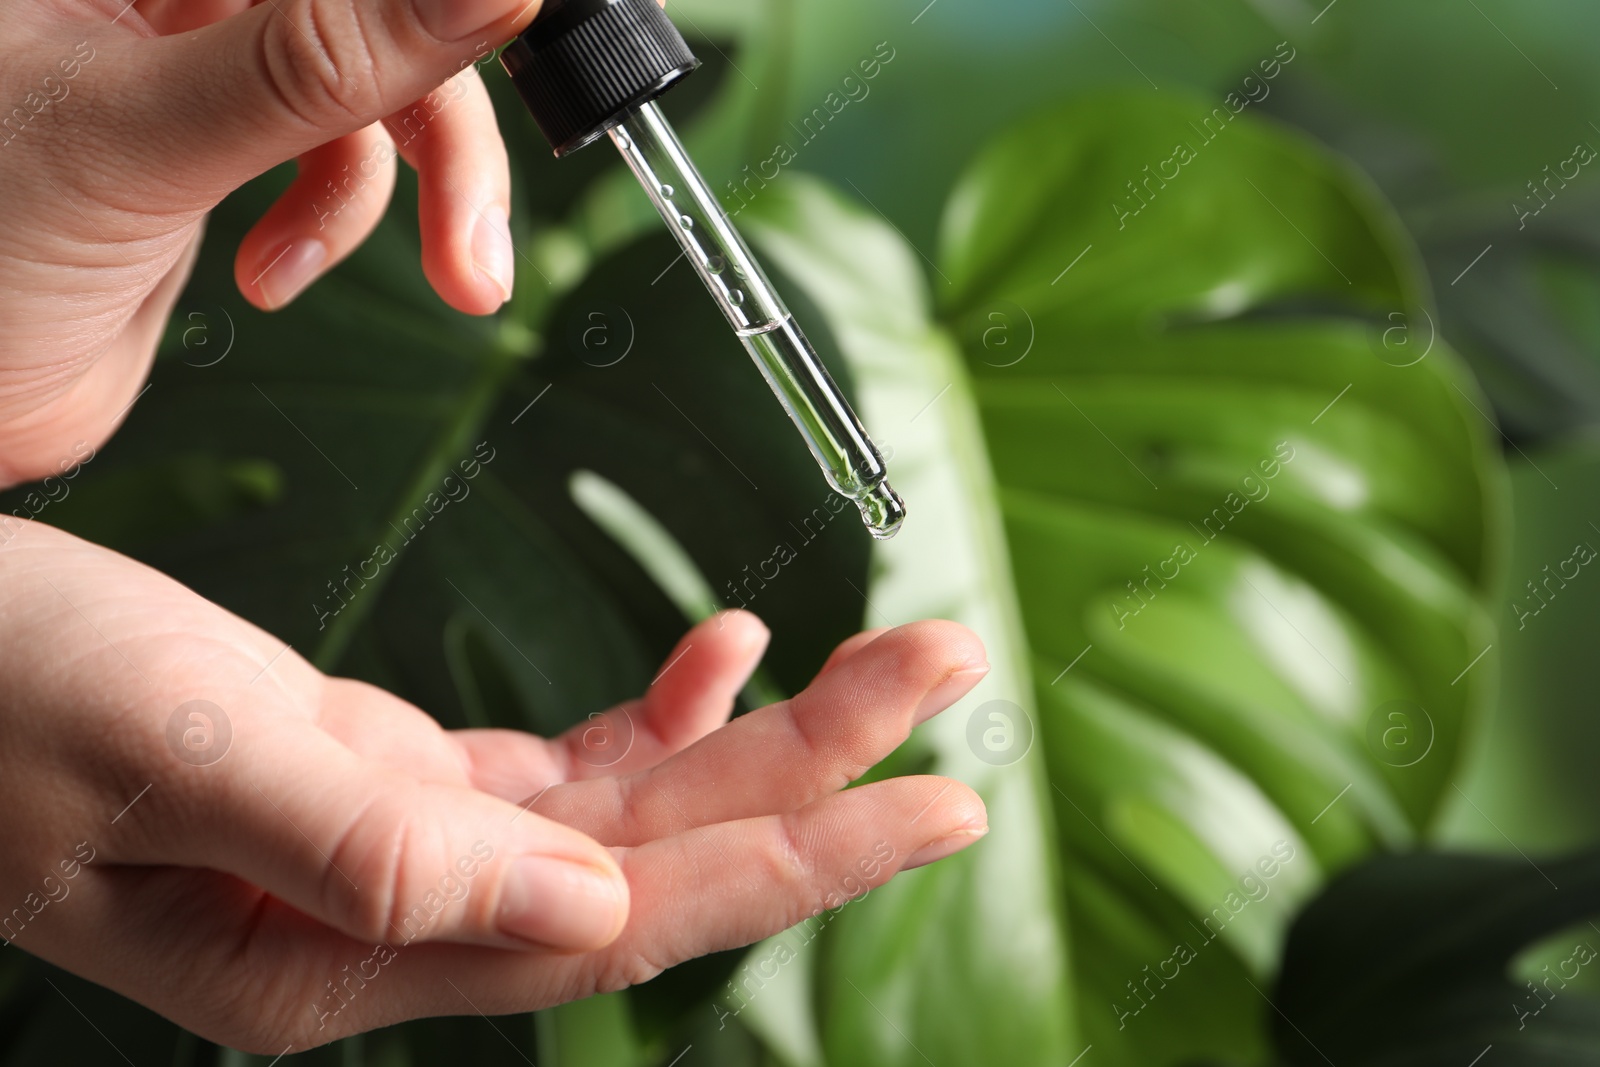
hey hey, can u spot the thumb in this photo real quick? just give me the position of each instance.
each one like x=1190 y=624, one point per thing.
x=218 y=106
x=385 y=857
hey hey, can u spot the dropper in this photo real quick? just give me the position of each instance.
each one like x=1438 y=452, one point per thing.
x=589 y=68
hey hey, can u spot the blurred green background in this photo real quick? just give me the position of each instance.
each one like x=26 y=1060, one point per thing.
x=1239 y=362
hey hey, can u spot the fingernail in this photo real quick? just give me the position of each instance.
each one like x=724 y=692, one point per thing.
x=562 y=904
x=948 y=692
x=491 y=249
x=286 y=273
x=945 y=846
x=453 y=20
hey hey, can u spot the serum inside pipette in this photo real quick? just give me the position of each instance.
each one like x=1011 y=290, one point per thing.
x=758 y=316
x=836 y=440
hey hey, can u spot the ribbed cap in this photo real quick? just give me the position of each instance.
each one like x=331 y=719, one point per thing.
x=584 y=63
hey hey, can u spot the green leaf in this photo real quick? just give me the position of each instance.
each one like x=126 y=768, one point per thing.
x=965 y=960
x=1249 y=505
x=1407 y=960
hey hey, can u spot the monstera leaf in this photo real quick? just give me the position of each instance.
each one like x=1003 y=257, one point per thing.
x=1252 y=513
x=964 y=961
x=1252 y=377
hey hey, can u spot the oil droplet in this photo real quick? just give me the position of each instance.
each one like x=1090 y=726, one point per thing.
x=735 y=296
x=666 y=191
x=620 y=136
x=686 y=222
x=882 y=511
x=716 y=264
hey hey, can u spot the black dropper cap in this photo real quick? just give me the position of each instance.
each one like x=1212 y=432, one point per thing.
x=584 y=63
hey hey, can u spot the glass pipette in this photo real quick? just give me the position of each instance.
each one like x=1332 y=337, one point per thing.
x=588 y=68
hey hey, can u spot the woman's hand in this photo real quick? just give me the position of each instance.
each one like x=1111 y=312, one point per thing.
x=201 y=820
x=122 y=124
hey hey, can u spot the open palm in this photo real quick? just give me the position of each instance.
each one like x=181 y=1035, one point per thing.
x=273 y=857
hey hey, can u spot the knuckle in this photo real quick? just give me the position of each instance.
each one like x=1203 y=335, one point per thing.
x=320 y=63
x=845 y=755
x=915 y=667
x=787 y=863
x=364 y=882
x=635 y=811
x=812 y=744
x=628 y=970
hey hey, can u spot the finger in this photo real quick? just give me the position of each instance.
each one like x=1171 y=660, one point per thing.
x=463 y=192
x=716 y=888
x=692 y=695
x=849 y=647
x=334 y=203
x=372 y=852
x=712 y=889
x=275 y=81
x=734 y=883
x=784 y=756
